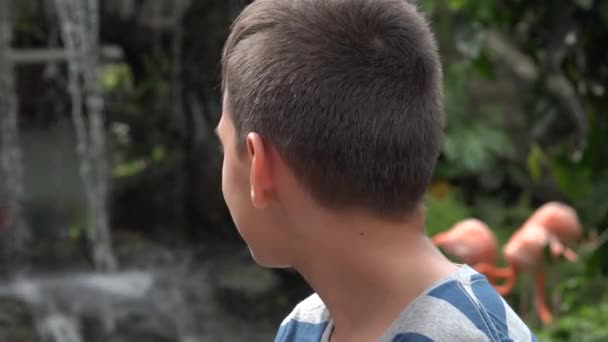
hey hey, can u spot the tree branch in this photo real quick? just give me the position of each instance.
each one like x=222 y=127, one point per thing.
x=42 y=56
x=556 y=84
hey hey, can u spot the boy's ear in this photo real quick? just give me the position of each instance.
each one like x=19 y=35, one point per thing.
x=261 y=172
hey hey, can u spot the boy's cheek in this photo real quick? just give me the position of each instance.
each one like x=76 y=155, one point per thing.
x=224 y=179
x=233 y=185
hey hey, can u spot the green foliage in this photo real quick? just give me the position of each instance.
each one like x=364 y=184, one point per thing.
x=586 y=324
x=481 y=10
x=534 y=162
x=585 y=4
x=442 y=212
x=129 y=168
x=503 y=219
x=480 y=173
x=582 y=307
x=428 y=6
x=135 y=166
x=603 y=10
x=25 y=18
x=75 y=232
x=116 y=76
x=158 y=153
x=474 y=149
x=475 y=138
x=78 y=229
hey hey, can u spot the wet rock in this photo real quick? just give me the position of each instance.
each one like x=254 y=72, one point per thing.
x=145 y=326
x=134 y=251
x=175 y=305
x=17 y=323
x=246 y=290
x=246 y=280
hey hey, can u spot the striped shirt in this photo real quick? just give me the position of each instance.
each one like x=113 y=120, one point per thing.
x=461 y=307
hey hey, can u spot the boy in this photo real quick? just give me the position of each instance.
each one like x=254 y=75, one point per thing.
x=331 y=128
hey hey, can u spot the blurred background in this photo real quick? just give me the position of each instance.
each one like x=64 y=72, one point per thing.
x=112 y=222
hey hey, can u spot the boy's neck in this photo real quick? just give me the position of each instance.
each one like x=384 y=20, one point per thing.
x=367 y=271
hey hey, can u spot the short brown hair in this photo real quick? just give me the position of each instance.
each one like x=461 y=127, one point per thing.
x=348 y=92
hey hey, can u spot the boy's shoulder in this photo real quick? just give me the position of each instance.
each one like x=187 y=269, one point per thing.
x=461 y=307
x=308 y=321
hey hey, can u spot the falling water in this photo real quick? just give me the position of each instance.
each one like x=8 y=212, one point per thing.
x=10 y=152
x=60 y=328
x=79 y=29
x=60 y=302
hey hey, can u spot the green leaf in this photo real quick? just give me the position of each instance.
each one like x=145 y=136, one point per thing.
x=116 y=76
x=491 y=210
x=129 y=168
x=484 y=11
x=534 y=162
x=444 y=212
x=585 y=4
x=603 y=10
x=75 y=232
x=428 y=6
x=158 y=153
x=483 y=65
x=575 y=181
x=456 y=5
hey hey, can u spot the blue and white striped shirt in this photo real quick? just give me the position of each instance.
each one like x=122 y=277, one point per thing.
x=461 y=307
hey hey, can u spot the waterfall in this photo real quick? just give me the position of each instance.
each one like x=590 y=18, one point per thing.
x=10 y=152
x=79 y=20
x=60 y=328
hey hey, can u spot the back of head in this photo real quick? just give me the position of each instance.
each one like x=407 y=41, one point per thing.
x=347 y=91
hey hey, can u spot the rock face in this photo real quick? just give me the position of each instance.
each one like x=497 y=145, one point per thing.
x=16 y=320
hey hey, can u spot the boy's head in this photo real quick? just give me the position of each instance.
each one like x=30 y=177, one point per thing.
x=344 y=95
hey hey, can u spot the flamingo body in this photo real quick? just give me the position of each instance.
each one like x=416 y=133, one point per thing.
x=470 y=241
